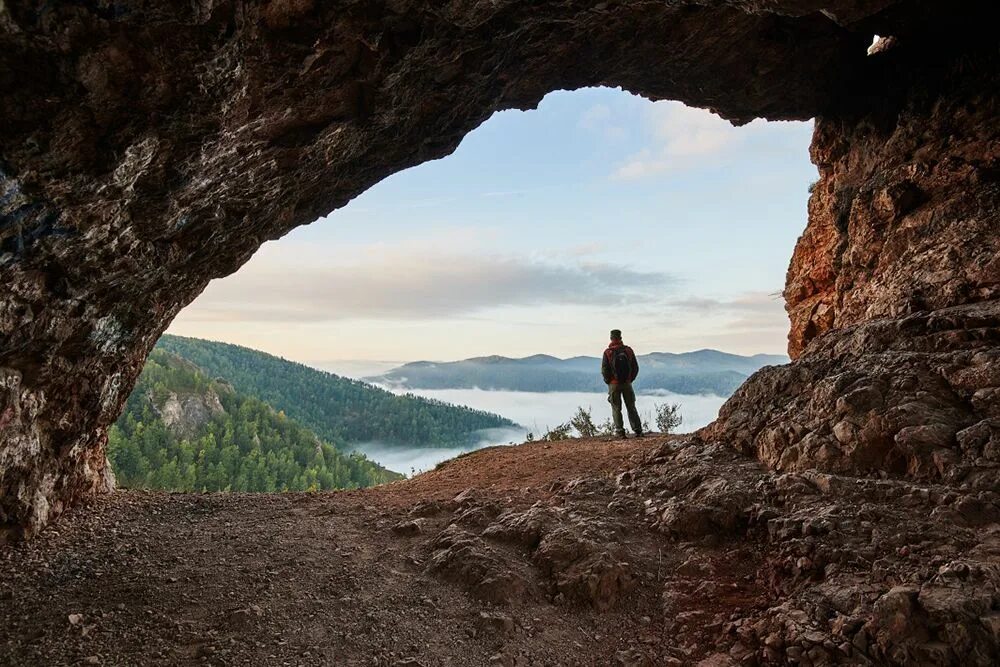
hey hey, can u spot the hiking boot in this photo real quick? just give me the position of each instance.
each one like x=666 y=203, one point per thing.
x=622 y=435
x=639 y=434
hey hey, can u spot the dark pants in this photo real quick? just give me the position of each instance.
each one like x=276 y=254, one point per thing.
x=616 y=392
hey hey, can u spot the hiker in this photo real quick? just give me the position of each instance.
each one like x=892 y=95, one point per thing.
x=620 y=368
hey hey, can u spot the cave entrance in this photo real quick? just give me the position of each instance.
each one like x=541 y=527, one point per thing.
x=153 y=175
x=542 y=231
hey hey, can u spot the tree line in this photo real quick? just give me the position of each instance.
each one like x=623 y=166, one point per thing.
x=336 y=408
x=246 y=446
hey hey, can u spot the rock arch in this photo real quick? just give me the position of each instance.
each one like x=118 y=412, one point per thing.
x=147 y=148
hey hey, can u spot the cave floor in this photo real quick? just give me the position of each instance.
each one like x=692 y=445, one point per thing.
x=309 y=579
x=660 y=551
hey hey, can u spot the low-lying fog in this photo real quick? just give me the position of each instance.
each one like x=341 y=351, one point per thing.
x=536 y=412
x=540 y=411
x=411 y=460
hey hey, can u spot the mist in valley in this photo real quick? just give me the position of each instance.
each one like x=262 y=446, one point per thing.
x=535 y=412
x=410 y=460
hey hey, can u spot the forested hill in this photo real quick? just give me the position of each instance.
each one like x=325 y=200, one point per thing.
x=181 y=431
x=336 y=408
x=699 y=372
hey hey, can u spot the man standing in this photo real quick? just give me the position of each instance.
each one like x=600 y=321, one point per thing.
x=620 y=368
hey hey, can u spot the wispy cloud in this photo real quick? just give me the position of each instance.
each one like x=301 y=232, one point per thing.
x=595 y=117
x=754 y=321
x=586 y=249
x=416 y=283
x=747 y=302
x=599 y=118
x=681 y=137
x=750 y=310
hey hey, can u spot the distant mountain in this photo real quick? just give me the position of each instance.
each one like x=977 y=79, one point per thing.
x=700 y=372
x=182 y=431
x=336 y=408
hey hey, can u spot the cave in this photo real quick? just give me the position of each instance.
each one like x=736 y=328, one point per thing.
x=148 y=148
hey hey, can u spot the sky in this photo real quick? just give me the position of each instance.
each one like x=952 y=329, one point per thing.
x=541 y=232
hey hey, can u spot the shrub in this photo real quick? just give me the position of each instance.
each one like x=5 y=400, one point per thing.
x=668 y=417
x=584 y=423
x=560 y=432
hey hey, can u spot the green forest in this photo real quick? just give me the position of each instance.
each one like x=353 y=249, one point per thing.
x=337 y=409
x=228 y=441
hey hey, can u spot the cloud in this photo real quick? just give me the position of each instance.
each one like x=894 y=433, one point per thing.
x=750 y=311
x=595 y=117
x=598 y=118
x=748 y=322
x=681 y=136
x=746 y=303
x=585 y=249
x=415 y=282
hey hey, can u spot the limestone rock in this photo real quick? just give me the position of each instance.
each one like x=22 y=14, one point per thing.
x=184 y=415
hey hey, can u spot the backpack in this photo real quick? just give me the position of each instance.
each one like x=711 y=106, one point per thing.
x=621 y=364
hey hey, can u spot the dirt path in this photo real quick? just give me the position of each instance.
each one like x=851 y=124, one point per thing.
x=320 y=579
x=526 y=470
x=668 y=551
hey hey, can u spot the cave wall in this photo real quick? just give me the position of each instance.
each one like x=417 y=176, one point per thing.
x=149 y=147
x=904 y=216
x=893 y=290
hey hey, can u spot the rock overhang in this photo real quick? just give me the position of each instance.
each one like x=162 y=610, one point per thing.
x=148 y=148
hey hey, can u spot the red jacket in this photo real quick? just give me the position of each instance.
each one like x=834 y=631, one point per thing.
x=608 y=371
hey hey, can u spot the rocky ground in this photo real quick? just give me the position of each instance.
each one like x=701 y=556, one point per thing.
x=660 y=551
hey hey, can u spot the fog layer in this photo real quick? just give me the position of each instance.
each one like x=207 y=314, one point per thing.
x=536 y=413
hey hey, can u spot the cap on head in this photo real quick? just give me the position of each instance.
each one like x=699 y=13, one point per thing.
x=616 y=334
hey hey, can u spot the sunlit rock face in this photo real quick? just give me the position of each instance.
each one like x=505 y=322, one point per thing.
x=905 y=217
x=893 y=292
x=149 y=147
x=916 y=396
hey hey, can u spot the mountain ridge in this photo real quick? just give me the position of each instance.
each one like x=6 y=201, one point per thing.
x=704 y=371
x=184 y=431
x=338 y=409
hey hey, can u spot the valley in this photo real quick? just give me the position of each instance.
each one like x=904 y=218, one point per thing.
x=535 y=413
x=473 y=184
x=202 y=409
x=572 y=383
x=689 y=373
x=207 y=416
